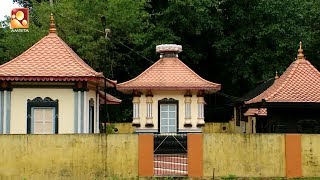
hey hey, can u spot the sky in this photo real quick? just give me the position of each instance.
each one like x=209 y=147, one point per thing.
x=6 y=7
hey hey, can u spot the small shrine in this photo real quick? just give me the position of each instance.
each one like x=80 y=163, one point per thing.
x=49 y=89
x=291 y=104
x=168 y=97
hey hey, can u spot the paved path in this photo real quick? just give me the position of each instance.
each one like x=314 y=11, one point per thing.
x=170 y=165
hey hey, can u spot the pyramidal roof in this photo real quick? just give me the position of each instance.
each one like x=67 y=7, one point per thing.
x=168 y=73
x=299 y=83
x=50 y=59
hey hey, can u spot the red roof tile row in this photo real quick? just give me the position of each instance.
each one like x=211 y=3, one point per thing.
x=168 y=74
x=299 y=83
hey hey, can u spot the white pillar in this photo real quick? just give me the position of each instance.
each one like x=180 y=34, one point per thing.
x=200 y=121
x=1 y=115
x=96 y=129
x=187 y=118
x=136 y=115
x=85 y=113
x=149 y=101
x=79 y=111
x=4 y=120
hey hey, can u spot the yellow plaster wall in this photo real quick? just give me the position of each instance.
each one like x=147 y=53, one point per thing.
x=19 y=97
x=215 y=127
x=124 y=128
x=122 y=155
x=177 y=95
x=310 y=149
x=244 y=155
x=68 y=156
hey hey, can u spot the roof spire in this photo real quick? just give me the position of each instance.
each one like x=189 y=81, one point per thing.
x=277 y=76
x=52 y=25
x=300 y=52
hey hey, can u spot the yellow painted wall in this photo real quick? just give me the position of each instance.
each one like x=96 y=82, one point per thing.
x=310 y=150
x=68 y=156
x=215 y=127
x=19 y=97
x=124 y=128
x=177 y=95
x=122 y=155
x=244 y=155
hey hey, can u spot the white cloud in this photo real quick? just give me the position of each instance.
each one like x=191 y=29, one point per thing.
x=5 y=8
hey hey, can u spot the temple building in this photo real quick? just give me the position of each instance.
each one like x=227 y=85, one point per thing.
x=49 y=89
x=291 y=104
x=168 y=97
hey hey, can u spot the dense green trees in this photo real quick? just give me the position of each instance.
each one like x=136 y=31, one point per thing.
x=235 y=43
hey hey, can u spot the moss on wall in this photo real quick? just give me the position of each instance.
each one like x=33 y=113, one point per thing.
x=64 y=156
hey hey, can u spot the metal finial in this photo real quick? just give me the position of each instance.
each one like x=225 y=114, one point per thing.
x=300 y=52
x=52 y=25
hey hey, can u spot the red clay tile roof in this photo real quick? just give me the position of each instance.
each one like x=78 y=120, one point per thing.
x=299 y=83
x=256 y=112
x=168 y=74
x=50 y=59
x=110 y=99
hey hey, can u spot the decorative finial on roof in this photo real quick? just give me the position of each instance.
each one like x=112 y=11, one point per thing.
x=52 y=25
x=168 y=50
x=300 y=52
x=276 y=77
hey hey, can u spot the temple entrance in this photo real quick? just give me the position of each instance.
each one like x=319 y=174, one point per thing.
x=170 y=155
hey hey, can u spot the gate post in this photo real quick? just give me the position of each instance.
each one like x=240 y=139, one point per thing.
x=293 y=155
x=145 y=155
x=195 y=155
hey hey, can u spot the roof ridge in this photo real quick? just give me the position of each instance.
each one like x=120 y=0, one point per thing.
x=76 y=57
x=286 y=80
x=312 y=67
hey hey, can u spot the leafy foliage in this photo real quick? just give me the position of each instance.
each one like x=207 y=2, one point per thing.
x=235 y=43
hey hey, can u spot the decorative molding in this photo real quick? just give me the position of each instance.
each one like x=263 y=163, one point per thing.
x=136 y=124
x=149 y=94
x=136 y=93
x=5 y=86
x=149 y=125
x=168 y=101
x=80 y=86
x=39 y=102
x=39 y=99
x=201 y=93
x=188 y=94
x=163 y=48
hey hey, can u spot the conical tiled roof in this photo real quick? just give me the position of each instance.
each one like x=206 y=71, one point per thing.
x=169 y=73
x=50 y=59
x=299 y=83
